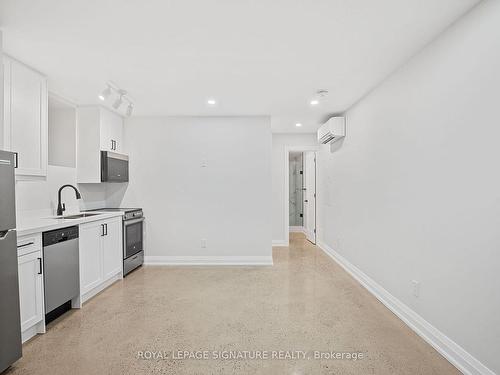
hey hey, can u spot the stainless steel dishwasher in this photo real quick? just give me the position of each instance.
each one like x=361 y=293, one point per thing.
x=61 y=270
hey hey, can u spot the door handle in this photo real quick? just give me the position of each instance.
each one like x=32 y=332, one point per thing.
x=39 y=266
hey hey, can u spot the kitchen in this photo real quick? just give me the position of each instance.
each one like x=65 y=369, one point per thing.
x=62 y=244
x=226 y=179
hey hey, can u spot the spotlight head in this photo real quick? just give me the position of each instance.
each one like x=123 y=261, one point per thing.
x=105 y=93
x=130 y=108
x=118 y=102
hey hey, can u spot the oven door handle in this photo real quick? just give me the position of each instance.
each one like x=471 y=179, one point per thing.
x=134 y=221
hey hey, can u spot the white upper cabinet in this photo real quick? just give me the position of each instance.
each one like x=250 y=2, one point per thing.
x=111 y=132
x=98 y=129
x=25 y=117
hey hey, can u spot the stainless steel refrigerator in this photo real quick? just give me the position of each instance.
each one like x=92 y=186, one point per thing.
x=10 y=324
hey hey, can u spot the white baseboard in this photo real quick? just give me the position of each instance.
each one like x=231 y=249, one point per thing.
x=99 y=288
x=279 y=243
x=454 y=353
x=208 y=261
x=33 y=331
x=297 y=229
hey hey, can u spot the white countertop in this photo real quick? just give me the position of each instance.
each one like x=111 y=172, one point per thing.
x=32 y=224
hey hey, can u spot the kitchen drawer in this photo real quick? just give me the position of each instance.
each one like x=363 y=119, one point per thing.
x=29 y=244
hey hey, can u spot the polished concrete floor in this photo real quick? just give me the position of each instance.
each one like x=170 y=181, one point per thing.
x=304 y=303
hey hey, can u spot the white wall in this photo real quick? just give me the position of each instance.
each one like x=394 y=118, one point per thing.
x=39 y=197
x=414 y=190
x=280 y=142
x=62 y=137
x=227 y=202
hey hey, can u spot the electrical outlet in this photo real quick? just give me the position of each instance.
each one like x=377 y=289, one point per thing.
x=416 y=288
x=203 y=243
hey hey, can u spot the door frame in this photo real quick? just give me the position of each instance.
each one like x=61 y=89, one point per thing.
x=286 y=193
x=311 y=237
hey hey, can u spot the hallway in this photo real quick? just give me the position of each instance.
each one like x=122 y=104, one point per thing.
x=305 y=302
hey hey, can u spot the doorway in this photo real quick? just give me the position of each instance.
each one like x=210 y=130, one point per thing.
x=302 y=193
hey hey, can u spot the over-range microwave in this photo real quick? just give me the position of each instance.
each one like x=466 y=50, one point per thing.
x=114 y=167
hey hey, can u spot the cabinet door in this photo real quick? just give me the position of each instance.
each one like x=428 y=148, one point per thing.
x=30 y=289
x=90 y=243
x=112 y=249
x=111 y=131
x=26 y=121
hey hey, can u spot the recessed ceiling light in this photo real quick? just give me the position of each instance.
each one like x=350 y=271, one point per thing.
x=314 y=102
x=298 y=124
x=211 y=102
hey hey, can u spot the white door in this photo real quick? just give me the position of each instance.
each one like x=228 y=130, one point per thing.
x=90 y=243
x=310 y=195
x=112 y=249
x=30 y=289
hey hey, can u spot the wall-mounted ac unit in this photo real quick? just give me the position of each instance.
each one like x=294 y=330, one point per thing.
x=332 y=130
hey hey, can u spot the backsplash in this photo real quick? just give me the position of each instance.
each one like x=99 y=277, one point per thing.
x=39 y=197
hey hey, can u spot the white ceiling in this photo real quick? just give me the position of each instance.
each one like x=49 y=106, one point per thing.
x=261 y=57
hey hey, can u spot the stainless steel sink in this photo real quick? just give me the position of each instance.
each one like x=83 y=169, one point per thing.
x=77 y=216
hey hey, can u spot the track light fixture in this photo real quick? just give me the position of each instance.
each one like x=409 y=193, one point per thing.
x=121 y=97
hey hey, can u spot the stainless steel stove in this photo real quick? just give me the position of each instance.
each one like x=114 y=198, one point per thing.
x=133 y=237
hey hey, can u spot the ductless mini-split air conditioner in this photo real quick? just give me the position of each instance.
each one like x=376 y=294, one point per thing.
x=332 y=130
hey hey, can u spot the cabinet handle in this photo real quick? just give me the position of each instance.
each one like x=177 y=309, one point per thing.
x=106 y=226
x=39 y=266
x=25 y=244
x=102 y=230
x=16 y=159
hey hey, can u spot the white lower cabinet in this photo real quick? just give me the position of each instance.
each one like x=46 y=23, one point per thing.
x=101 y=264
x=112 y=251
x=100 y=255
x=31 y=294
x=30 y=289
